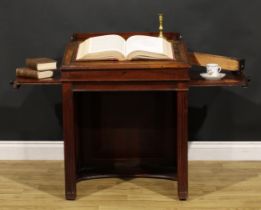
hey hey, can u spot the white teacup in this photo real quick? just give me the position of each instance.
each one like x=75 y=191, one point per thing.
x=213 y=69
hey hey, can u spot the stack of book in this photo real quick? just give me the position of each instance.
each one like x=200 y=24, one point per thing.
x=38 y=68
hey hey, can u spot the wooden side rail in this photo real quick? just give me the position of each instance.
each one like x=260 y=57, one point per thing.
x=227 y=63
x=30 y=81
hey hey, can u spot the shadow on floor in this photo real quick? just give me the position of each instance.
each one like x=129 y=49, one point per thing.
x=205 y=179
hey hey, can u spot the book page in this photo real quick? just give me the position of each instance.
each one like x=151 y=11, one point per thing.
x=106 y=43
x=151 y=45
x=82 y=49
x=143 y=43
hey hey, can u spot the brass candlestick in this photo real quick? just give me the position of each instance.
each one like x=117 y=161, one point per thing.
x=161 y=25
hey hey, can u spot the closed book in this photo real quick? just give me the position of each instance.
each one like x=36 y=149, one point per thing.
x=30 y=73
x=41 y=64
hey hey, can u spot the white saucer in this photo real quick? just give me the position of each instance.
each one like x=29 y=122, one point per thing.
x=210 y=77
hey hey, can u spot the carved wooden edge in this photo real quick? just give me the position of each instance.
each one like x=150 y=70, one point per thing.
x=101 y=175
x=68 y=52
x=226 y=63
x=18 y=82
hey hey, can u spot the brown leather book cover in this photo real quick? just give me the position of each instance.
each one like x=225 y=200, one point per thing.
x=31 y=73
x=41 y=64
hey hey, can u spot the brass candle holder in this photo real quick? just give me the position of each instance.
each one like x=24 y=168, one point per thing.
x=161 y=25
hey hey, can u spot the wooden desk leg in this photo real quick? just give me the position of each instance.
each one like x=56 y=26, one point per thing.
x=182 y=150
x=69 y=142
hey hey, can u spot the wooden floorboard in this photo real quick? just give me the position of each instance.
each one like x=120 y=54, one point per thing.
x=37 y=185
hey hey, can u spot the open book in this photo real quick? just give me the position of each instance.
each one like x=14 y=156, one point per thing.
x=114 y=47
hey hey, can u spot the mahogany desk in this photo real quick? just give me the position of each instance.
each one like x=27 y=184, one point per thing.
x=127 y=119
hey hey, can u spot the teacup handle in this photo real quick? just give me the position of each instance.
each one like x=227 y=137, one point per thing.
x=219 y=69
